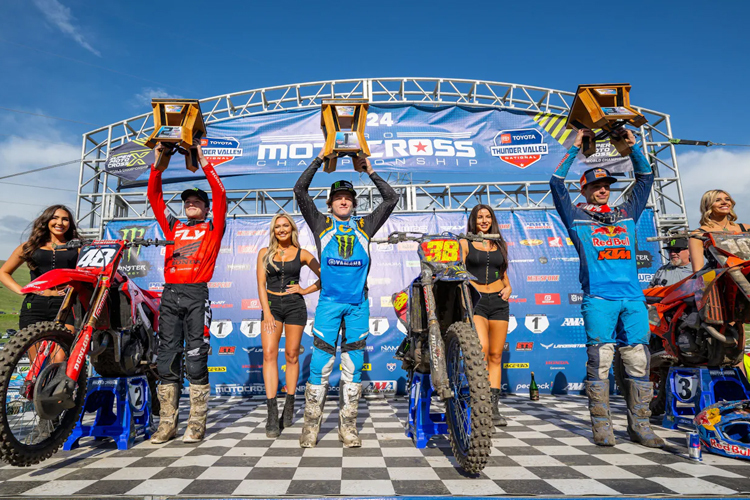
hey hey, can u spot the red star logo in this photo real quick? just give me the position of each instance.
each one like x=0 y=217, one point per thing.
x=421 y=147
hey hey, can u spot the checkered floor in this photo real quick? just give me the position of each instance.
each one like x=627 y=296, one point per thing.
x=545 y=450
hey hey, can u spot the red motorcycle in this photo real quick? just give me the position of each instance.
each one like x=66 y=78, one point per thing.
x=43 y=370
x=700 y=320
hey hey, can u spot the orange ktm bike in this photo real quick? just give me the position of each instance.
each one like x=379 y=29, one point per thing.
x=43 y=371
x=700 y=320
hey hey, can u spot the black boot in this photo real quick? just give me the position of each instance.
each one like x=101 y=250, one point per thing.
x=288 y=413
x=497 y=419
x=272 y=424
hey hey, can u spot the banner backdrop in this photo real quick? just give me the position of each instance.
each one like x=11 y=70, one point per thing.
x=545 y=335
x=512 y=144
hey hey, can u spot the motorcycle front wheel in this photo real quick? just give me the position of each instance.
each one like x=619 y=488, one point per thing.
x=25 y=437
x=469 y=411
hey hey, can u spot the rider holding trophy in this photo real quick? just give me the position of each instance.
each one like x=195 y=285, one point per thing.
x=188 y=267
x=343 y=251
x=613 y=308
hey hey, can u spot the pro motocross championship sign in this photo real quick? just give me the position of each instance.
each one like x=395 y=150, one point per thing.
x=499 y=144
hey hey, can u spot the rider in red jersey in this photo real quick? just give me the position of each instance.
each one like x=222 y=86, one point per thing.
x=188 y=267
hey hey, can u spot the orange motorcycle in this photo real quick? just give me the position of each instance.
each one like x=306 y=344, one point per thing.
x=700 y=320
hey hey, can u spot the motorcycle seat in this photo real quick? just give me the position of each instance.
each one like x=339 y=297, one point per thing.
x=652 y=299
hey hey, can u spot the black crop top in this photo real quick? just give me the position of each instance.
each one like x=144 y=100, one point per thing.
x=484 y=264
x=46 y=260
x=287 y=274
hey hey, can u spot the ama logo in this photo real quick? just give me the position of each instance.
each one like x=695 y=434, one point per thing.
x=520 y=148
x=220 y=150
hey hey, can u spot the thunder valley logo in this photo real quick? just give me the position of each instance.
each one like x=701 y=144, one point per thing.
x=220 y=150
x=520 y=148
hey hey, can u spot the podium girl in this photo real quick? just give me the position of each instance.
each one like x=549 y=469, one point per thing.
x=488 y=262
x=284 y=309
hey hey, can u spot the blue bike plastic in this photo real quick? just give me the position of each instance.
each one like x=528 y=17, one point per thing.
x=423 y=424
x=131 y=399
x=690 y=390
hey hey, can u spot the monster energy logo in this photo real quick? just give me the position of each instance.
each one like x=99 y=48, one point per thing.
x=131 y=233
x=346 y=245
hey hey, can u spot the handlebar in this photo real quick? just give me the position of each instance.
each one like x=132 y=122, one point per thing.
x=78 y=243
x=400 y=236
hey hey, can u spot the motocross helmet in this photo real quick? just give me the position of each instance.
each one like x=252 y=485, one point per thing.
x=724 y=428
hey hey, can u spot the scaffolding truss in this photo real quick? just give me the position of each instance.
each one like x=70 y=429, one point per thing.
x=102 y=199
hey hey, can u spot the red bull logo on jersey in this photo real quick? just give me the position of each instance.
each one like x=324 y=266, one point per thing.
x=610 y=236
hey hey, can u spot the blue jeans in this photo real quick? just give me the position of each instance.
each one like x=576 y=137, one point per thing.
x=354 y=322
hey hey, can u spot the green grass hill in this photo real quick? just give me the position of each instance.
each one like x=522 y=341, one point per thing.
x=10 y=303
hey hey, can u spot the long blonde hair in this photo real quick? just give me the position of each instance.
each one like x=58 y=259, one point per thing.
x=707 y=201
x=273 y=244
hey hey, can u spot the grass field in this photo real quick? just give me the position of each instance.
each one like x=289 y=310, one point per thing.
x=10 y=303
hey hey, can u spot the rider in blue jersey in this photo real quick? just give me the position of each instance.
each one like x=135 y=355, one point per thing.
x=613 y=307
x=343 y=251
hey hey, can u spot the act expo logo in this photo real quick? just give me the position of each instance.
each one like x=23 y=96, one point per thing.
x=520 y=148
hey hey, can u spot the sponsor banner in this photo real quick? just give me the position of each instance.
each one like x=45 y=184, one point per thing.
x=508 y=144
x=545 y=321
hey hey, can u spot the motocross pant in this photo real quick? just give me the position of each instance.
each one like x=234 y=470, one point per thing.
x=184 y=327
x=616 y=323
x=353 y=320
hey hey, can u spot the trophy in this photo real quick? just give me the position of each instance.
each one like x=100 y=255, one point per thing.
x=178 y=122
x=607 y=107
x=343 y=124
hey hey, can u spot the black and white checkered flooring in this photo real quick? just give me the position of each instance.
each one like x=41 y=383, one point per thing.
x=545 y=450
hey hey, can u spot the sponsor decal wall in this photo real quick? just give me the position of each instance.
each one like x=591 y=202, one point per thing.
x=545 y=335
x=508 y=144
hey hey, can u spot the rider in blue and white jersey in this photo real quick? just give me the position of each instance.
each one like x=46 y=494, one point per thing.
x=343 y=251
x=613 y=307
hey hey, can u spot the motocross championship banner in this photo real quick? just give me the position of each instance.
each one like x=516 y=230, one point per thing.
x=508 y=144
x=545 y=335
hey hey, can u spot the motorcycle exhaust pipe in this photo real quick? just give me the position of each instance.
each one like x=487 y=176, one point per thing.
x=718 y=336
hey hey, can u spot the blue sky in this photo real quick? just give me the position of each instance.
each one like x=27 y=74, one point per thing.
x=94 y=63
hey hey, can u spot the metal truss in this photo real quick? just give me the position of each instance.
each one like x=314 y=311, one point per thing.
x=101 y=197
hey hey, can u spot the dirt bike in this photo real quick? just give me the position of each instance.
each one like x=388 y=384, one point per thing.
x=43 y=368
x=436 y=310
x=699 y=321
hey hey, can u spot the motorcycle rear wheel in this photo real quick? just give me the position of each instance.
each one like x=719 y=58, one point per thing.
x=468 y=412
x=18 y=417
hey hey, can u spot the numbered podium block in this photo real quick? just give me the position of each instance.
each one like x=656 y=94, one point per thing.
x=422 y=424
x=690 y=390
x=123 y=411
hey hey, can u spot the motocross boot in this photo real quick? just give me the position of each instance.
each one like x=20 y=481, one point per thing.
x=601 y=420
x=196 y=424
x=272 y=422
x=640 y=394
x=348 y=406
x=497 y=419
x=315 y=400
x=169 y=399
x=288 y=414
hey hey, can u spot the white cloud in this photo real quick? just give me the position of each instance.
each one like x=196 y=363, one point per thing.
x=715 y=168
x=59 y=15
x=143 y=98
x=36 y=144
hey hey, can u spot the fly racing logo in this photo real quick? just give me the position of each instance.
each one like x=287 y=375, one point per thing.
x=189 y=234
x=573 y=322
x=346 y=245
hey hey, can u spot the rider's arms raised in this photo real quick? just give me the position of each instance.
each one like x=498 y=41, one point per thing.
x=310 y=212
x=156 y=197
x=218 y=193
x=644 y=178
x=377 y=217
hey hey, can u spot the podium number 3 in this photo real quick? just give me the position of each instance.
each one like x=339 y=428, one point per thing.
x=685 y=388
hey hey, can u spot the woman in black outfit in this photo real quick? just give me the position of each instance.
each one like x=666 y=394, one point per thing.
x=488 y=262
x=55 y=226
x=284 y=308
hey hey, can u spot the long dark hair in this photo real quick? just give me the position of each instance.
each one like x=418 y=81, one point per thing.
x=40 y=232
x=471 y=227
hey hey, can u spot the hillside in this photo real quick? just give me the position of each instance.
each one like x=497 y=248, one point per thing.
x=10 y=303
